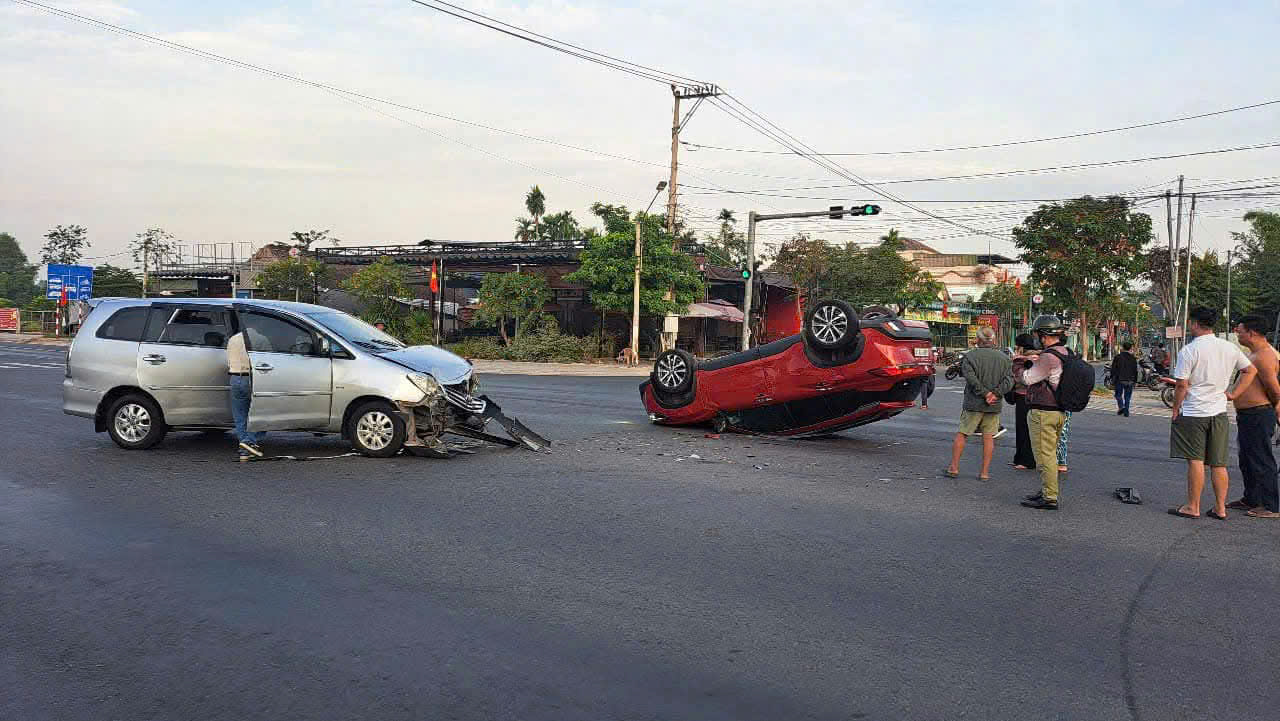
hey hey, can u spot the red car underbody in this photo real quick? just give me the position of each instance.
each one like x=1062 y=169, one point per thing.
x=780 y=389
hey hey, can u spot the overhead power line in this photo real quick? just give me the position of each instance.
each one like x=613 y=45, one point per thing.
x=1004 y=144
x=577 y=51
x=1032 y=171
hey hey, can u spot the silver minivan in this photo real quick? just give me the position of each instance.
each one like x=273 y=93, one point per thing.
x=140 y=368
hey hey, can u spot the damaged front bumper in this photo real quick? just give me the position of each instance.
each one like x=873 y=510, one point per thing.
x=453 y=410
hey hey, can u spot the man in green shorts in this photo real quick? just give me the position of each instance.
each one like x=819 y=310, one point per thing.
x=1199 y=432
x=988 y=375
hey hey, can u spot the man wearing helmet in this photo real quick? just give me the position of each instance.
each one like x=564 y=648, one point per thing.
x=1046 y=418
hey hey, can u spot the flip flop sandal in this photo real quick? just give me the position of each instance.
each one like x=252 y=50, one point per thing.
x=1262 y=513
x=1214 y=514
x=1239 y=506
x=983 y=478
x=949 y=473
x=1181 y=514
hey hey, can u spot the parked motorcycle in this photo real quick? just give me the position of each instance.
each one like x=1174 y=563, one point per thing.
x=953 y=370
x=1148 y=376
x=1166 y=390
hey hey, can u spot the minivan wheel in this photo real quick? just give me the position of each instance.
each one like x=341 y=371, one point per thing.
x=376 y=430
x=135 y=422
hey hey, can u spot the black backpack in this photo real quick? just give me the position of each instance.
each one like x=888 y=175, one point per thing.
x=1075 y=387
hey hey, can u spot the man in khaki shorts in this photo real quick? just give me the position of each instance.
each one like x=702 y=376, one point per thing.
x=988 y=375
x=1200 y=432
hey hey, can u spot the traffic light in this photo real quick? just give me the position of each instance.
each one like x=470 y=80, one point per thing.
x=866 y=210
x=746 y=274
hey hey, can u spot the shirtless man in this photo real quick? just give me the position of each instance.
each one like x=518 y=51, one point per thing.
x=1257 y=406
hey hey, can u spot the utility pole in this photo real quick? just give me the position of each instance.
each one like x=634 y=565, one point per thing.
x=1173 y=254
x=635 y=287
x=1227 y=311
x=750 y=279
x=1186 y=305
x=1177 y=246
x=146 y=250
x=698 y=92
x=834 y=212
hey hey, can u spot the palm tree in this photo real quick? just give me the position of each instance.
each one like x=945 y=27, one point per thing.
x=726 y=217
x=526 y=229
x=891 y=237
x=562 y=226
x=536 y=203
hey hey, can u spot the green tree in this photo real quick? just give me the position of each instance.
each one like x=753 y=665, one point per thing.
x=879 y=276
x=511 y=295
x=293 y=278
x=7 y=303
x=536 y=203
x=561 y=226
x=112 y=282
x=377 y=286
x=64 y=244
x=1259 y=267
x=1084 y=250
x=807 y=262
x=149 y=248
x=17 y=276
x=608 y=266
x=727 y=246
x=1009 y=300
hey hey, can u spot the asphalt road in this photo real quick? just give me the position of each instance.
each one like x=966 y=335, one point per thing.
x=636 y=572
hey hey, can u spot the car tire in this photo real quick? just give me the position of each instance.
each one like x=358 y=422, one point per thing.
x=673 y=372
x=831 y=325
x=135 y=422
x=877 y=311
x=376 y=430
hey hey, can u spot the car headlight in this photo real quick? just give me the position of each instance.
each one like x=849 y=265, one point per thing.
x=425 y=383
x=475 y=386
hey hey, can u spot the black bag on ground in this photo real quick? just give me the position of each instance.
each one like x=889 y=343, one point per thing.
x=1076 y=385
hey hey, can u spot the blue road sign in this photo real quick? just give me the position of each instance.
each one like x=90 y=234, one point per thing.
x=77 y=279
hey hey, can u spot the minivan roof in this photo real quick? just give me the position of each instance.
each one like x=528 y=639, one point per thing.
x=285 y=305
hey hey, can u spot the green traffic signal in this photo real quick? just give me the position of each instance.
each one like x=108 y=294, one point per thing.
x=870 y=210
x=746 y=274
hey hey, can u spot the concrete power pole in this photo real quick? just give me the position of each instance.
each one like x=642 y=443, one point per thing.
x=1177 y=248
x=1186 y=306
x=675 y=162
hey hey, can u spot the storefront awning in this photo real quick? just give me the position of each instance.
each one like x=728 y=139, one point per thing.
x=714 y=311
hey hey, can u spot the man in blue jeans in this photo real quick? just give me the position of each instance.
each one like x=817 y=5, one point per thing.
x=241 y=396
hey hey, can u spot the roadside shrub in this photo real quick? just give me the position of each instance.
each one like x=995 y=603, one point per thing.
x=415 y=328
x=478 y=348
x=6 y=303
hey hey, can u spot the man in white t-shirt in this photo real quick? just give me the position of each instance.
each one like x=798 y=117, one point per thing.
x=1200 y=432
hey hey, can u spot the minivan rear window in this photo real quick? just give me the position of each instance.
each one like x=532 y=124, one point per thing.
x=188 y=326
x=125 y=324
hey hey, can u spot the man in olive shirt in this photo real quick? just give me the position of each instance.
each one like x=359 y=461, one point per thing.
x=988 y=375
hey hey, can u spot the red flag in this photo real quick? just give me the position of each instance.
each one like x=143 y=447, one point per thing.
x=1017 y=283
x=62 y=299
x=435 y=279
x=944 y=310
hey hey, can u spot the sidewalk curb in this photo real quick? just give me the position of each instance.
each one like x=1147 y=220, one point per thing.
x=498 y=367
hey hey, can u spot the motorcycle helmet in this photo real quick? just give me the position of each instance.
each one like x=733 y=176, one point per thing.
x=1047 y=325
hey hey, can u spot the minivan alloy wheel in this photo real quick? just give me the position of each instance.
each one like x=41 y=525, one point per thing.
x=375 y=430
x=132 y=422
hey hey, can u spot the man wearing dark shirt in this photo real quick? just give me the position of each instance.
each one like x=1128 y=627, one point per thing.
x=1124 y=373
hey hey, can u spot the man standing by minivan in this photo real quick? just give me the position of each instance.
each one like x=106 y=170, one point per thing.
x=242 y=396
x=1200 y=431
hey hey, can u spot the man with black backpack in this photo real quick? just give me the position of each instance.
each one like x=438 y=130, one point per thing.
x=1058 y=380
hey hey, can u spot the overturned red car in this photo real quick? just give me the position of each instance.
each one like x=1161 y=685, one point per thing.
x=844 y=369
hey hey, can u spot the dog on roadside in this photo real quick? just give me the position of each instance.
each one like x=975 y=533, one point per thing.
x=628 y=358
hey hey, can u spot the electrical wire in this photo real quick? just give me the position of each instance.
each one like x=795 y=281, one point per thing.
x=1004 y=144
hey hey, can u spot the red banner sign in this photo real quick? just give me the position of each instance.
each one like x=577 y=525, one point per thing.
x=9 y=319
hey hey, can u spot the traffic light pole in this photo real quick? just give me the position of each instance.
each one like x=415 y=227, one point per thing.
x=750 y=281
x=749 y=274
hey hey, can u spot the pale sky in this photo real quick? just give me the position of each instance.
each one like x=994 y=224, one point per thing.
x=119 y=135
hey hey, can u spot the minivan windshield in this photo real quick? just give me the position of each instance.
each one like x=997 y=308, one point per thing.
x=354 y=330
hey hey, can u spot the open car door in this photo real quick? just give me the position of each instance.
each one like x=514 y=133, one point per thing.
x=291 y=370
